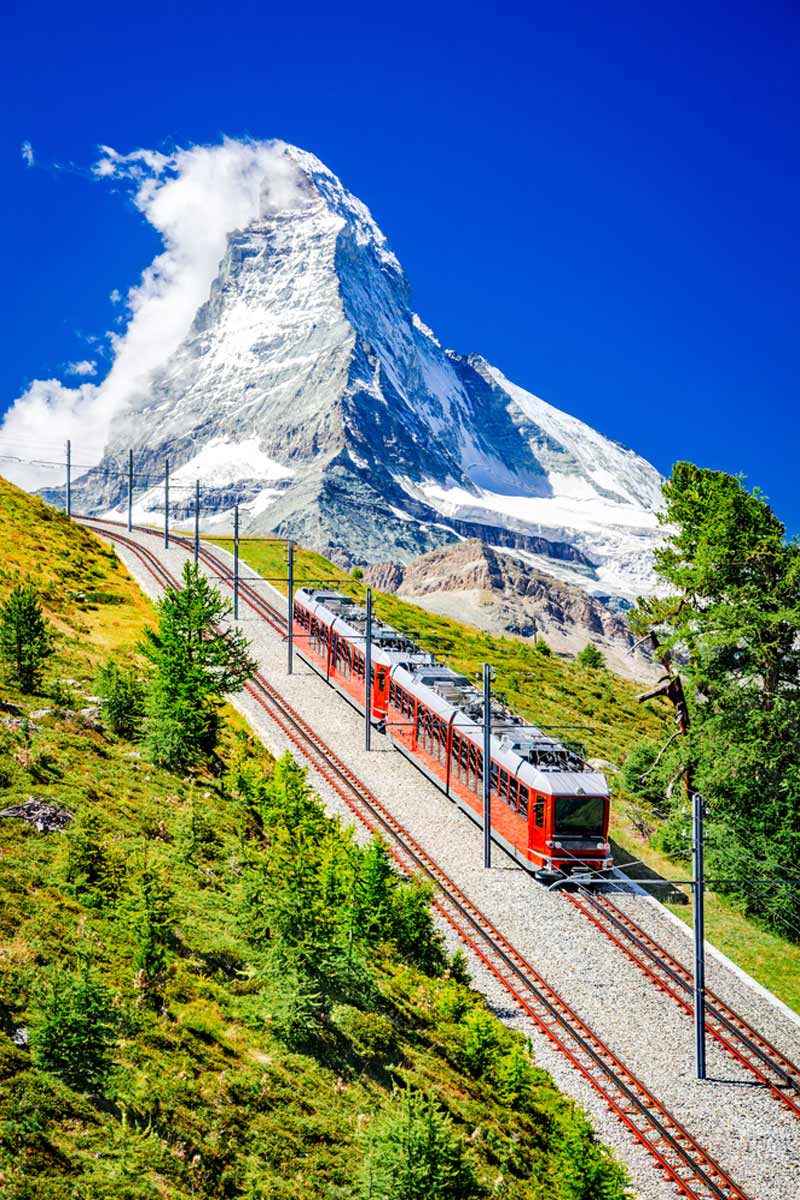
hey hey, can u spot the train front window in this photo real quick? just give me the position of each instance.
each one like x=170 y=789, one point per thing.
x=580 y=816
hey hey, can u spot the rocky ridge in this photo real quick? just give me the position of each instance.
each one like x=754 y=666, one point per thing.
x=498 y=591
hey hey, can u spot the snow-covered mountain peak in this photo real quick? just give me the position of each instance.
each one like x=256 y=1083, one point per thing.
x=308 y=387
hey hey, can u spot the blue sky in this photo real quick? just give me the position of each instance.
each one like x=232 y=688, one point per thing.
x=601 y=199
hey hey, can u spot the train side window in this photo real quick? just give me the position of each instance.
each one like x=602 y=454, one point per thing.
x=513 y=792
x=523 y=800
x=538 y=812
x=495 y=779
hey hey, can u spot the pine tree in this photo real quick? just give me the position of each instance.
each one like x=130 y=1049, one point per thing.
x=196 y=663
x=26 y=640
x=122 y=694
x=74 y=1030
x=416 y=1155
x=732 y=619
x=591 y=657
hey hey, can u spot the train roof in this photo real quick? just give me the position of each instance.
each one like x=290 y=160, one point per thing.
x=392 y=645
x=541 y=761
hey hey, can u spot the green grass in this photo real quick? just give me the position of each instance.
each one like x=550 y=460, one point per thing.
x=552 y=691
x=203 y=1101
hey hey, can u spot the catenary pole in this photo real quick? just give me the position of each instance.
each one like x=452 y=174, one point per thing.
x=166 y=504
x=236 y=561
x=699 y=938
x=196 y=519
x=130 y=490
x=487 y=765
x=368 y=675
x=290 y=609
x=69 y=478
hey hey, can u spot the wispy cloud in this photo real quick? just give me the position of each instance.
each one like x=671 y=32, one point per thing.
x=194 y=198
x=26 y=150
x=84 y=367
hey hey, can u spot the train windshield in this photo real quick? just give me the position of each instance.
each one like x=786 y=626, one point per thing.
x=580 y=816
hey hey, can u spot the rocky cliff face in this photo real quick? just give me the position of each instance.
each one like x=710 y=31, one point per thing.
x=308 y=388
x=497 y=590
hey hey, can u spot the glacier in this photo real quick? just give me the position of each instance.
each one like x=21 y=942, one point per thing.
x=310 y=391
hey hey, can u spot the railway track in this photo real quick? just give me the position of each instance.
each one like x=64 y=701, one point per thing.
x=723 y=1023
x=749 y=1048
x=690 y=1168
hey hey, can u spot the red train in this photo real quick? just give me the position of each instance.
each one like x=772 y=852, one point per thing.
x=549 y=808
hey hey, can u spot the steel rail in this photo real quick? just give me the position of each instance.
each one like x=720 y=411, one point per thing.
x=751 y=1049
x=692 y=1169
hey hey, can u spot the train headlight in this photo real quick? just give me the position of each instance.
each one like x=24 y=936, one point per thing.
x=557 y=845
x=601 y=846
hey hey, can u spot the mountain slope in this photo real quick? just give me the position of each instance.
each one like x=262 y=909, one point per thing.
x=309 y=388
x=499 y=591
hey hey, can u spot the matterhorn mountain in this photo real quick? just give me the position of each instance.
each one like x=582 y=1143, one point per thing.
x=308 y=389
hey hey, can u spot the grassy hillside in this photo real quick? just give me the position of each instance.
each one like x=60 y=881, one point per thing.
x=166 y=900
x=553 y=691
x=88 y=596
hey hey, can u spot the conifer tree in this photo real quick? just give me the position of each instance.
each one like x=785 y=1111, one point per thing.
x=26 y=640
x=74 y=1030
x=732 y=619
x=415 y=1154
x=196 y=663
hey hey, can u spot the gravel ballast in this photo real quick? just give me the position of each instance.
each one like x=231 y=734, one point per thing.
x=737 y=1121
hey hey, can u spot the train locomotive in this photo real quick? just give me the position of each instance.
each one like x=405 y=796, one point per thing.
x=550 y=809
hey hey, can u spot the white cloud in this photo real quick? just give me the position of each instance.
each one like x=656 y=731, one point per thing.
x=26 y=150
x=115 y=296
x=84 y=367
x=194 y=198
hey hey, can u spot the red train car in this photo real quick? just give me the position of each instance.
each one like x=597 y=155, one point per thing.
x=550 y=810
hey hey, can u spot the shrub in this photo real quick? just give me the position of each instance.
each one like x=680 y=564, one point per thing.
x=453 y=1001
x=153 y=922
x=357 y=573
x=63 y=695
x=122 y=695
x=414 y=932
x=26 y=640
x=91 y=873
x=481 y=1044
x=74 y=1031
x=296 y=1011
x=542 y=647
x=459 y=968
x=415 y=1154
x=591 y=658
x=514 y=1078
x=370 y=1034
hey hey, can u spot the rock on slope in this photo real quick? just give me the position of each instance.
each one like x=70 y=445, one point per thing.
x=497 y=590
x=309 y=389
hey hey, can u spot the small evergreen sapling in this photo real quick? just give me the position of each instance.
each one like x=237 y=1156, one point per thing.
x=591 y=657
x=122 y=695
x=415 y=1154
x=26 y=640
x=74 y=1031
